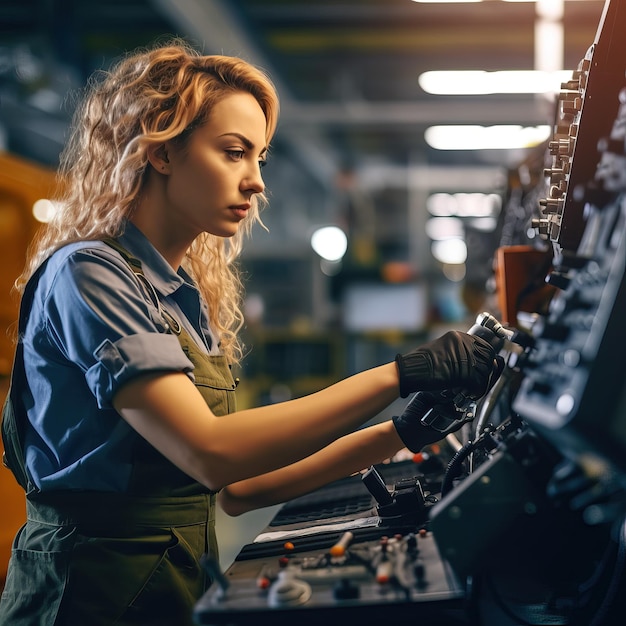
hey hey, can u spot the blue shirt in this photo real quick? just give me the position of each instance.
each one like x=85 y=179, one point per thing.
x=91 y=328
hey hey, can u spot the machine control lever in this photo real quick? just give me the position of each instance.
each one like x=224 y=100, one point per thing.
x=457 y=407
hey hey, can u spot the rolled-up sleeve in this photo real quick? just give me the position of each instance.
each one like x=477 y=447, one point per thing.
x=118 y=362
x=100 y=319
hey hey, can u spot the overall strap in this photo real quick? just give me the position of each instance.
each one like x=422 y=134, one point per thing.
x=171 y=323
x=12 y=423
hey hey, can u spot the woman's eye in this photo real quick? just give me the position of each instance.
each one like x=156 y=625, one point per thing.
x=262 y=162
x=236 y=155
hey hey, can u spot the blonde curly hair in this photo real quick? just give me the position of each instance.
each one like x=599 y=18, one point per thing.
x=149 y=97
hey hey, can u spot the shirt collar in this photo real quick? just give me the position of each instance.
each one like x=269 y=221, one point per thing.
x=156 y=269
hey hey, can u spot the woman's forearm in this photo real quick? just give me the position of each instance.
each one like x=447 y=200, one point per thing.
x=169 y=412
x=343 y=457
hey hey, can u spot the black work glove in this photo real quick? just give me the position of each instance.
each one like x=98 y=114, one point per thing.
x=455 y=360
x=416 y=435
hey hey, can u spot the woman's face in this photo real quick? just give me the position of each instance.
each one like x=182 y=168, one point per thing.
x=211 y=180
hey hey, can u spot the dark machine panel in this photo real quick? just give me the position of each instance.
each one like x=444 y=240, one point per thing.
x=520 y=518
x=575 y=380
x=587 y=107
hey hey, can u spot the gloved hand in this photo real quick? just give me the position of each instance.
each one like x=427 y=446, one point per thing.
x=455 y=360
x=416 y=435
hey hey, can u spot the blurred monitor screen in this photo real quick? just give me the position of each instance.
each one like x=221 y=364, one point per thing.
x=369 y=307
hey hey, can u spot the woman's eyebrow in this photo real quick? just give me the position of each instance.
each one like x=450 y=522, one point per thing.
x=246 y=142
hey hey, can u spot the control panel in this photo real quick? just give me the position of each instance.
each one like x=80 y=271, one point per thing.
x=574 y=379
x=379 y=562
x=369 y=578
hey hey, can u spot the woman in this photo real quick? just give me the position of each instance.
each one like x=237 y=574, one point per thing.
x=128 y=332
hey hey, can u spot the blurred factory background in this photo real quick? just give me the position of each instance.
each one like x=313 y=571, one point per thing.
x=413 y=171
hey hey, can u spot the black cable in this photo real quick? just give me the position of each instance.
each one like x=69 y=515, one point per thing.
x=453 y=470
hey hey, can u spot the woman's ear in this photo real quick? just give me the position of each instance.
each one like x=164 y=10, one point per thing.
x=157 y=157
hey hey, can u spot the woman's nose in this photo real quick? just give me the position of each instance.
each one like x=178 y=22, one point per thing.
x=254 y=181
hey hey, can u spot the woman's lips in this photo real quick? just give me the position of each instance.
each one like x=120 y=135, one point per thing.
x=240 y=210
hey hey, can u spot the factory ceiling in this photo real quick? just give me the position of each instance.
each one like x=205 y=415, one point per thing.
x=347 y=72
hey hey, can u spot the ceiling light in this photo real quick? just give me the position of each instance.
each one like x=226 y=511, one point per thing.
x=505 y=137
x=451 y=251
x=330 y=242
x=481 y=82
x=542 y=2
x=550 y=9
x=467 y=1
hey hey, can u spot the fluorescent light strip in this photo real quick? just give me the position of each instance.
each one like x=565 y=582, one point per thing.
x=467 y=1
x=445 y=1
x=481 y=82
x=504 y=137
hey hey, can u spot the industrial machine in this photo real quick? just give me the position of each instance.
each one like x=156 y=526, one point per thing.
x=520 y=517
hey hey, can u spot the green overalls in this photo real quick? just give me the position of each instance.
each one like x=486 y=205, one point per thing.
x=94 y=558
